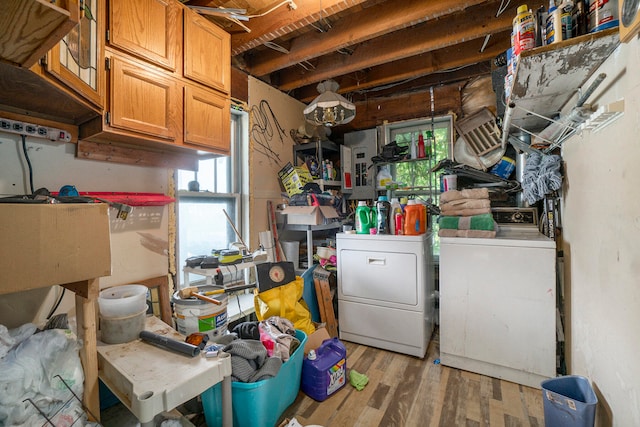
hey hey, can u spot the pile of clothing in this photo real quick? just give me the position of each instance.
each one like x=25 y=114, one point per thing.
x=466 y=213
x=258 y=349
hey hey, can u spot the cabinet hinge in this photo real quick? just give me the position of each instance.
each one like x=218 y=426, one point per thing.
x=107 y=64
x=43 y=61
x=107 y=117
x=107 y=34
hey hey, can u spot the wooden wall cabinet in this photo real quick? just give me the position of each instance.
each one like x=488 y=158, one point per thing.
x=143 y=100
x=66 y=88
x=77 y=61
x=148 y=29
x=207 y=121
x=152 y=100
x=31 y=27
x=207 y=53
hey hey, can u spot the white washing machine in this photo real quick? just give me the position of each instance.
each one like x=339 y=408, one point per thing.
x=386 y=291
x=498 y=305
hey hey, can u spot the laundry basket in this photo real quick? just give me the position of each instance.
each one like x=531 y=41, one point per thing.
x=569 y=401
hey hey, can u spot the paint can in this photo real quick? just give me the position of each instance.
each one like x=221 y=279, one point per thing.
x=603 y=14
x=194 y=315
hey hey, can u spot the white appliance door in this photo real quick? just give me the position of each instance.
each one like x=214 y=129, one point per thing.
x=497 y=304
x=382 y=277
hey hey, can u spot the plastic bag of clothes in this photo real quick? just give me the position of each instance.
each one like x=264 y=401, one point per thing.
x=285 y=301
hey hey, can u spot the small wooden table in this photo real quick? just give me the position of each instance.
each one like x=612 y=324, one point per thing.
x=149 y=380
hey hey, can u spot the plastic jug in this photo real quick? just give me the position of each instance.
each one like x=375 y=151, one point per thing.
x=324 y=371
x=415 y=216
x=396 y=209
x=383 y=210
x=363 y=218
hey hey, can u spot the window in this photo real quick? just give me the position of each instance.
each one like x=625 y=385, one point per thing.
x=202 y=223
x=414 y=177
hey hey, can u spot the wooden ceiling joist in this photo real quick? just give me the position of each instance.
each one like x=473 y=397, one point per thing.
x=370 y=23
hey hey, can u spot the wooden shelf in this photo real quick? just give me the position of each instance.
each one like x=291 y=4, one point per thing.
x=548 y=77
x=34 y=27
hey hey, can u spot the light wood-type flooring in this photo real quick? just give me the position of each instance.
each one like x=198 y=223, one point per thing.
x=406 y=391
x=403 y=391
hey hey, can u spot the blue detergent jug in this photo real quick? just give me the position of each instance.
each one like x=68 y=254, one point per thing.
x=324 y=370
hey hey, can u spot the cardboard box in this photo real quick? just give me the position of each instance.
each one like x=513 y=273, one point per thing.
x=294 y=178
x=316 y=339
x=44 y=245
x=310 y=215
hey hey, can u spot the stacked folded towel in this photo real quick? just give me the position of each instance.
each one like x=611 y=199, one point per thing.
x=466 y=213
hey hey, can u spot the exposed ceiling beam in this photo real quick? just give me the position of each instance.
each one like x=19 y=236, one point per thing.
x=421 y=83
x=374 y=112
x=276 y=25
x=370 y=23
x=424 y=38
x=449 y=58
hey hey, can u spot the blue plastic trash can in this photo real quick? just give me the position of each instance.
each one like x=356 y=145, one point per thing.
x=569 y=401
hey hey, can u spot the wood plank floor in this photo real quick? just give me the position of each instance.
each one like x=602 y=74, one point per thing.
x=405 y=391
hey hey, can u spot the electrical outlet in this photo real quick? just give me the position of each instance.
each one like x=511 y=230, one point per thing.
x=30 y=129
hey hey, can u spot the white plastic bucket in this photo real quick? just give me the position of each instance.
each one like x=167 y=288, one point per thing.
x=194 y=315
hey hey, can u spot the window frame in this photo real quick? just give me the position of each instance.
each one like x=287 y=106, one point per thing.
x=236 y=175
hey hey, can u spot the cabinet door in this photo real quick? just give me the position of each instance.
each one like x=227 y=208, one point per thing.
x=207 y=119
x=143 y=100
x=149 y=29
x=78 y=59
x=207 y=52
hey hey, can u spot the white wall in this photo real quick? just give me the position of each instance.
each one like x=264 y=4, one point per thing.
x=601 y=216
x=139 y=244
x=270 y=148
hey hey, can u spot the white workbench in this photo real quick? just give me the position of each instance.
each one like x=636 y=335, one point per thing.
x=149 y=380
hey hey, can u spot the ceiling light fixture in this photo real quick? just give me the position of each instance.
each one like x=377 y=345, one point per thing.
x=329 y=108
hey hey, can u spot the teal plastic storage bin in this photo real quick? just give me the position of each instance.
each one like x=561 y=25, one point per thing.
x=569 y=401
x=258 y=404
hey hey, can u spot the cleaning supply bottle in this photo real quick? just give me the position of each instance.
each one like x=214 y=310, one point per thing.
x=324 y=370
x=421 y=151
x=554 y=24
x=403 y=203
x=524 y=30
x=396 y=209
x=414 y=218
x=383 y=209
x=363 y=218
x=565 y=19
x=413 y=148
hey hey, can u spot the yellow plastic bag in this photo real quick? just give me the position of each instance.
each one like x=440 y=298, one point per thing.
x=285 y=301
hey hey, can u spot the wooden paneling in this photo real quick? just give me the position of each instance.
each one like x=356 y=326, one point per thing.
x=131 y=155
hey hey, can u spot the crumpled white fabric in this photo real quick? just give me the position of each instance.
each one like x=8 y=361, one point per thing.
x=28 y=372
x=13 y=337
